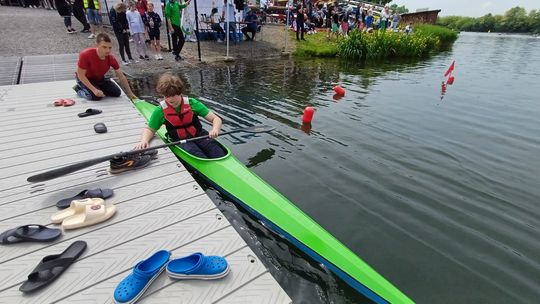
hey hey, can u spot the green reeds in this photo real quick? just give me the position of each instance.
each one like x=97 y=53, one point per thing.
x=382 y=45
x=378 y=45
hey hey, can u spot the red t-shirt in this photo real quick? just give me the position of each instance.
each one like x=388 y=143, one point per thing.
x=95 y=67
x=142 y=6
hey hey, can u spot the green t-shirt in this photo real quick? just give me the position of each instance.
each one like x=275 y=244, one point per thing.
x=173 y=11
x=158 y=118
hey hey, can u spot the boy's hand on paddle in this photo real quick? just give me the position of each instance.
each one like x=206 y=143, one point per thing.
x=141 y=145
x=213 y=133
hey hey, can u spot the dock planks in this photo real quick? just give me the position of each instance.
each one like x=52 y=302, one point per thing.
x=158 y=207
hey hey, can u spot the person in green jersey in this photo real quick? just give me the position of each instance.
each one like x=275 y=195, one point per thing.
x=173 y=14
x=180 y=114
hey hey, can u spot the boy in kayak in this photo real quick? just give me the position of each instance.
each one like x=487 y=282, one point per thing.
x=180 y=114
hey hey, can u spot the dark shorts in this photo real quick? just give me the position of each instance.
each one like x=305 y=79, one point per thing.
x=204 y=148
x=153 y=35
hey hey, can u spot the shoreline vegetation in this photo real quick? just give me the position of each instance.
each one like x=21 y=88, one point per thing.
x=378 y=45
x=515 y=20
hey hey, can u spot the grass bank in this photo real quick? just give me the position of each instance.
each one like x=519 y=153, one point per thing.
x=378 y=45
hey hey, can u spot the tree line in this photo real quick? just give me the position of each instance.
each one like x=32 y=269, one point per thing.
x=515 y=20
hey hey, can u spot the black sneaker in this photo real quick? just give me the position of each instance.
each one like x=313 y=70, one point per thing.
x=130 y=162
x=141 y=57
x=177 y=58
x=146 y=57
x=152 y=153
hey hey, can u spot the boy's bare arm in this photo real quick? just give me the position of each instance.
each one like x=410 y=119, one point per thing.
x=216 y=124
x=146 y=136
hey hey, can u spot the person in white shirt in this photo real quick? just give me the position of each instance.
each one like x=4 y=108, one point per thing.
x=214 y=23
x=228 y=16
x=409 y=29
x=137 y=30
x=385 y=14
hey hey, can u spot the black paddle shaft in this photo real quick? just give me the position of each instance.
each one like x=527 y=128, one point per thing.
x=52 y=174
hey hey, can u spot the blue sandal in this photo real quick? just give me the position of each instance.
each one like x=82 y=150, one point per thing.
x=198 y=266
x=144 y=273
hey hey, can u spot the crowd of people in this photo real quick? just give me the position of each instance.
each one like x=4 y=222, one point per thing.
x=306 y=17
x=130 y=20
x=231 y=14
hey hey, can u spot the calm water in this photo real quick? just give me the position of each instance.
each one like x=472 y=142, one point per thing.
x=439 y=195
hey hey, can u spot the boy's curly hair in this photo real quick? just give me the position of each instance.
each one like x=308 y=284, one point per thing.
x=170 y=85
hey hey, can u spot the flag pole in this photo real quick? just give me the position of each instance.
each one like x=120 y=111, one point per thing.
x=197 y=27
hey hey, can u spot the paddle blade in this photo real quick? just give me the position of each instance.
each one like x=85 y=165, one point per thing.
x=51 y=174
x=257 y=129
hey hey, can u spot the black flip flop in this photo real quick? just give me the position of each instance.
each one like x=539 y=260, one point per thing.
x=52 y=266
x=100 y=128
x=92 y=193
x=89 y=112
x=29 y=233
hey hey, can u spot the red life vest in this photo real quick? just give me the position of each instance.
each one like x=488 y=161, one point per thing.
x=183 y=124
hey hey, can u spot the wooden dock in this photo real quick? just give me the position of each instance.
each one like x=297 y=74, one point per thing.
x=158 y=207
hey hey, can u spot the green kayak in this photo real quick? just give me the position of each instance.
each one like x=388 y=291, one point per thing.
x=234 y=179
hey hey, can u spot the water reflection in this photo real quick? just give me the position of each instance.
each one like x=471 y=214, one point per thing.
x=306 y=127
x=260 y=157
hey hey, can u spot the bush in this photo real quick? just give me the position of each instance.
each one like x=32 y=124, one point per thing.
x=444 y=34
x=380 y=45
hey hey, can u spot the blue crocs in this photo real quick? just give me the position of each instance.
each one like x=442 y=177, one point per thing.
x=144 y=273
x=198 y=266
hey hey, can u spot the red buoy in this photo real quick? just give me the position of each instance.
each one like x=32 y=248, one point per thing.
x=308 y=114
x=339 y=90
x=450 y=80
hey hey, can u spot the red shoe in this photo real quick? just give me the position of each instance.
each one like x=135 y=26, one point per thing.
x=63 y=102
x=68 y=102
x=58 y=103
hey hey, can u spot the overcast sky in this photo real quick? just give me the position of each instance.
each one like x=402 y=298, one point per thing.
x=473 y=8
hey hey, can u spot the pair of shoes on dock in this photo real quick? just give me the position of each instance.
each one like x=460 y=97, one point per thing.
x=63 y=102
x=195 y=266
x=83 y=213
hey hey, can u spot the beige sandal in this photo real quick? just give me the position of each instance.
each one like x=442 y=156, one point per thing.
x=76 y=206
x=93 y=214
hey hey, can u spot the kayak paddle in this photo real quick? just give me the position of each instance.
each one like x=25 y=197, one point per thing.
x=51 y=174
